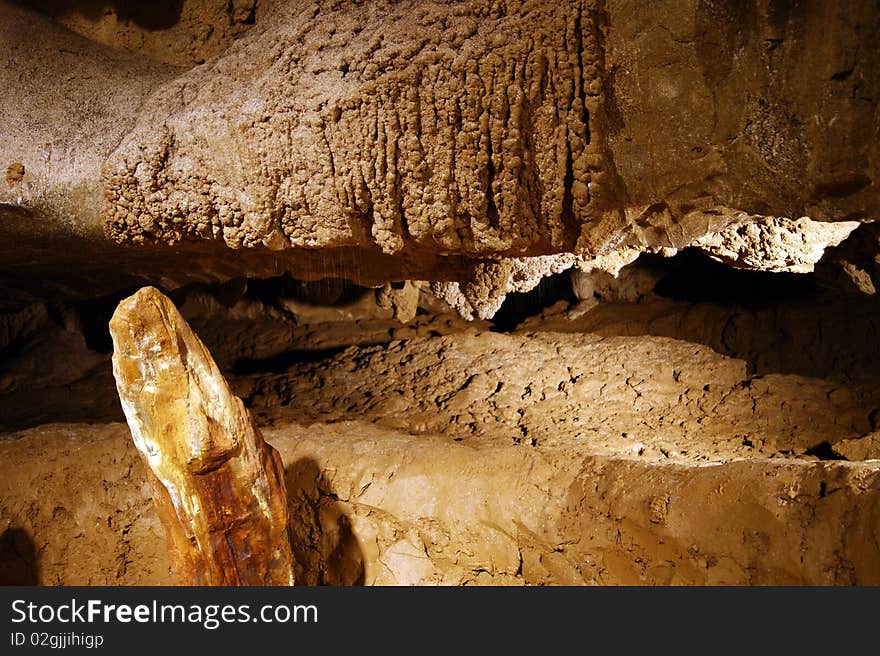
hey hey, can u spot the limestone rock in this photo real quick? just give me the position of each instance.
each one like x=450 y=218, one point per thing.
x=421 y=140
x=854 y=266
x=631 y=285
x=370 y=513
x=775 y=244
x=217 y=486
x=741 y=240
x=401 y=298
x=863 y=448
x=449 y=128
x=482 y=295
x=68 y=103
x=178 y=33
x=500 y=128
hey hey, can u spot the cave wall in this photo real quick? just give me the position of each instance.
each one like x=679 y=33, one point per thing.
x=766 y=106
x=178 y=32
x=481 y=146
x=402 y=137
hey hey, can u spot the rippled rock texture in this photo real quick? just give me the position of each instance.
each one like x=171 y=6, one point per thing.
x=419 y=139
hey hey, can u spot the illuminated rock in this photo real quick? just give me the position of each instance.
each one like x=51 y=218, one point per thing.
x=217 y=486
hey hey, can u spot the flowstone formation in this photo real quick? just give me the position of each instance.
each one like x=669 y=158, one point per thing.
x=425 y=139
x=217 y=486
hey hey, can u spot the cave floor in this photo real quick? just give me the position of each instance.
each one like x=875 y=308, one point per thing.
x=655 y=442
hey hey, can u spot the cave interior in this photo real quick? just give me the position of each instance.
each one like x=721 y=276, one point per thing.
x=637 y=347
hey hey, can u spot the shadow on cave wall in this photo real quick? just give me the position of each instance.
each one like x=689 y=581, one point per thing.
x=55 y=357
x=325 y=546
x=781 y=323
x=18 y=558
x=57 y=367
x=147 y=14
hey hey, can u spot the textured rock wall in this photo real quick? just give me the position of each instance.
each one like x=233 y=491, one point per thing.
x=461 y=127
x=505 y=128
x=520 y=127
x=412 y=131
x=177 y=32
x=766 y=106
x=67 y=104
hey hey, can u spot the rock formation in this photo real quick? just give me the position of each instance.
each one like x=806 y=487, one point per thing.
x=217 y=486
x=428 y=140
x=610 y=267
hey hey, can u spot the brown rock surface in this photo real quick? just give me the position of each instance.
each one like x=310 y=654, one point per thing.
x=652 y=442
x=394 y=134
x=217 y=486
x=515 y=128
x=68 y=103
x=375 y=506
x=607 y=406
x=177 y=32
x=655 y=397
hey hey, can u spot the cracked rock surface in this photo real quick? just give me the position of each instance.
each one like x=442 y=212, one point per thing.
x=642 y=441
x=365 y=509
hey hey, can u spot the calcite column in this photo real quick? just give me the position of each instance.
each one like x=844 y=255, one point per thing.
x=217 y=485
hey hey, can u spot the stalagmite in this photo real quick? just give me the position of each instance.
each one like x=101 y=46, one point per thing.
x=218 y=487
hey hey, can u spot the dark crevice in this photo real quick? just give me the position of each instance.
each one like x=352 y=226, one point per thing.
x=519 y=306
x=249 y=19
x=19 y=558
x=839 y=76
x=280 y=363
x=147 y=14
x=570 y=224
x=693 y=277
x=824 y=451
x=492 y=214
x=93 y=317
